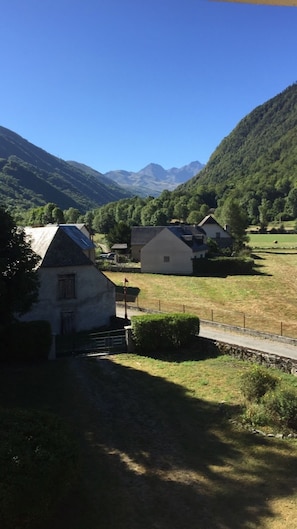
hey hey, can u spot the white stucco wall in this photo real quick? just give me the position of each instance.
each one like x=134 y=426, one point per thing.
x=92 y=307
x=211 y=231
x=166 y=244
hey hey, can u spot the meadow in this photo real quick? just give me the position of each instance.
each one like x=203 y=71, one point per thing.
x=265 y=301
x=160 y=444
x=274 y=241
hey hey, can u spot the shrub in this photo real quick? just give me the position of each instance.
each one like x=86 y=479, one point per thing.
x=26 y=341
x=163 y=332
x=38 y=461
x=255 y=415
x=256 y=382
x=281 y=408
x=223 y=266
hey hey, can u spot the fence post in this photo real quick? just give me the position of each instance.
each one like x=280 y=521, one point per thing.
x=211 y=314
x=159 y=305
x=184 y=309
x=243 y=320
x=281 y=328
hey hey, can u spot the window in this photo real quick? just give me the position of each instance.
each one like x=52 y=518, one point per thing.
x=166 y=258
x=66 y=286
x=218 y=235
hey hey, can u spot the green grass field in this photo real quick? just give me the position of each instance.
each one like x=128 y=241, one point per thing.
x=266 y=301
x=160 y=446
x=275 y=241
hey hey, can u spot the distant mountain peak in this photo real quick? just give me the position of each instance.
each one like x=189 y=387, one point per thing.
x=153 y=178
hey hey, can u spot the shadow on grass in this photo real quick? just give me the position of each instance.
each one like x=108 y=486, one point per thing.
x=158 y=458
x=200 y=349
x=152 y=456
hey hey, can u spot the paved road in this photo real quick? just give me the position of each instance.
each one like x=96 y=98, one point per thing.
x=278 y=345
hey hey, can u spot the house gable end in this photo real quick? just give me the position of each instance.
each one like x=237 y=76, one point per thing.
x=63 y=251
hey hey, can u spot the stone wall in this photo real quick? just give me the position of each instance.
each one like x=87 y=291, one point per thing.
x=212 y=347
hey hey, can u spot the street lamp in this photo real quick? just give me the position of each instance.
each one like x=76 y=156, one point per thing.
x=125 y=297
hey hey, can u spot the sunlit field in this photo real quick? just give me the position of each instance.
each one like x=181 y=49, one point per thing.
x=266 y=301
x=273 y=240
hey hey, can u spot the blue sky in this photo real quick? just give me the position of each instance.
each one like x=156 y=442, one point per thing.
x=117 y=84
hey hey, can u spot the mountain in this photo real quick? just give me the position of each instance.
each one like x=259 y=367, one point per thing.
x=257 y=160
x=30 y=177
x=153 y=179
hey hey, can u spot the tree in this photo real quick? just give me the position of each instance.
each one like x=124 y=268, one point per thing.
x=119 y=233
x=291 y=203
x=18 y=275
x=236 y=220
x=263 y=213
x=71 y=215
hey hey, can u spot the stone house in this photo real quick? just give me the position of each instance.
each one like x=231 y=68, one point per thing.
x=216 y=232
x=73 y=295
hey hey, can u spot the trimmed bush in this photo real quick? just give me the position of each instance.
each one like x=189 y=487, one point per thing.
x=25 y=341
x=38 y=461
x=163 y=332
x=256 y=382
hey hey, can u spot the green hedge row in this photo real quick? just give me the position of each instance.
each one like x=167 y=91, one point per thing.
x=39 y=466
x=155 y=333
x=223 y=266
x=25 y=341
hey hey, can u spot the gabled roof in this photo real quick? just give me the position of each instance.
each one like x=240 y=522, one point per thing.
x=143 y=234
x=59 y=245
x=209 y=219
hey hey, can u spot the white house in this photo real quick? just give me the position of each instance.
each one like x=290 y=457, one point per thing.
x=73 y=295
x=216 y=232
x=172 y=250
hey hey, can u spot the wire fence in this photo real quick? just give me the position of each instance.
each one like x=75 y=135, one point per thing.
x=255 y=322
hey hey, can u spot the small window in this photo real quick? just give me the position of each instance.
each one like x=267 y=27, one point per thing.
x=218 y=235
x=66 y=286
x=166 y=258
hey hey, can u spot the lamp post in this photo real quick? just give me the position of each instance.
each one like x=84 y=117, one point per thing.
x=125 y=297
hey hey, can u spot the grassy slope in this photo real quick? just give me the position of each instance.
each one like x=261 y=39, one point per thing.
x=266 y=299
x=158 y=449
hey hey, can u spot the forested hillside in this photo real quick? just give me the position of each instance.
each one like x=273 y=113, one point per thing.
x=254 y=167
x=257 y=162
x=29 y=176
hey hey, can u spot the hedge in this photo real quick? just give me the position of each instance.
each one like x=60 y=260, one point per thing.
x=223 y=266
x=163 y=332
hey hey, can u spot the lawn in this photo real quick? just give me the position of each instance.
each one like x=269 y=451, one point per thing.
x=265 y=301
x=159 y=445
x=275 y=241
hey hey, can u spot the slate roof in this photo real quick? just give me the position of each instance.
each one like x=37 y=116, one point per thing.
x=209 y=220
x=141 y=235
x=59 y=245
x=190 y=235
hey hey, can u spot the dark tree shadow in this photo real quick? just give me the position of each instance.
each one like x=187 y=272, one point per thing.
x=157 y=458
